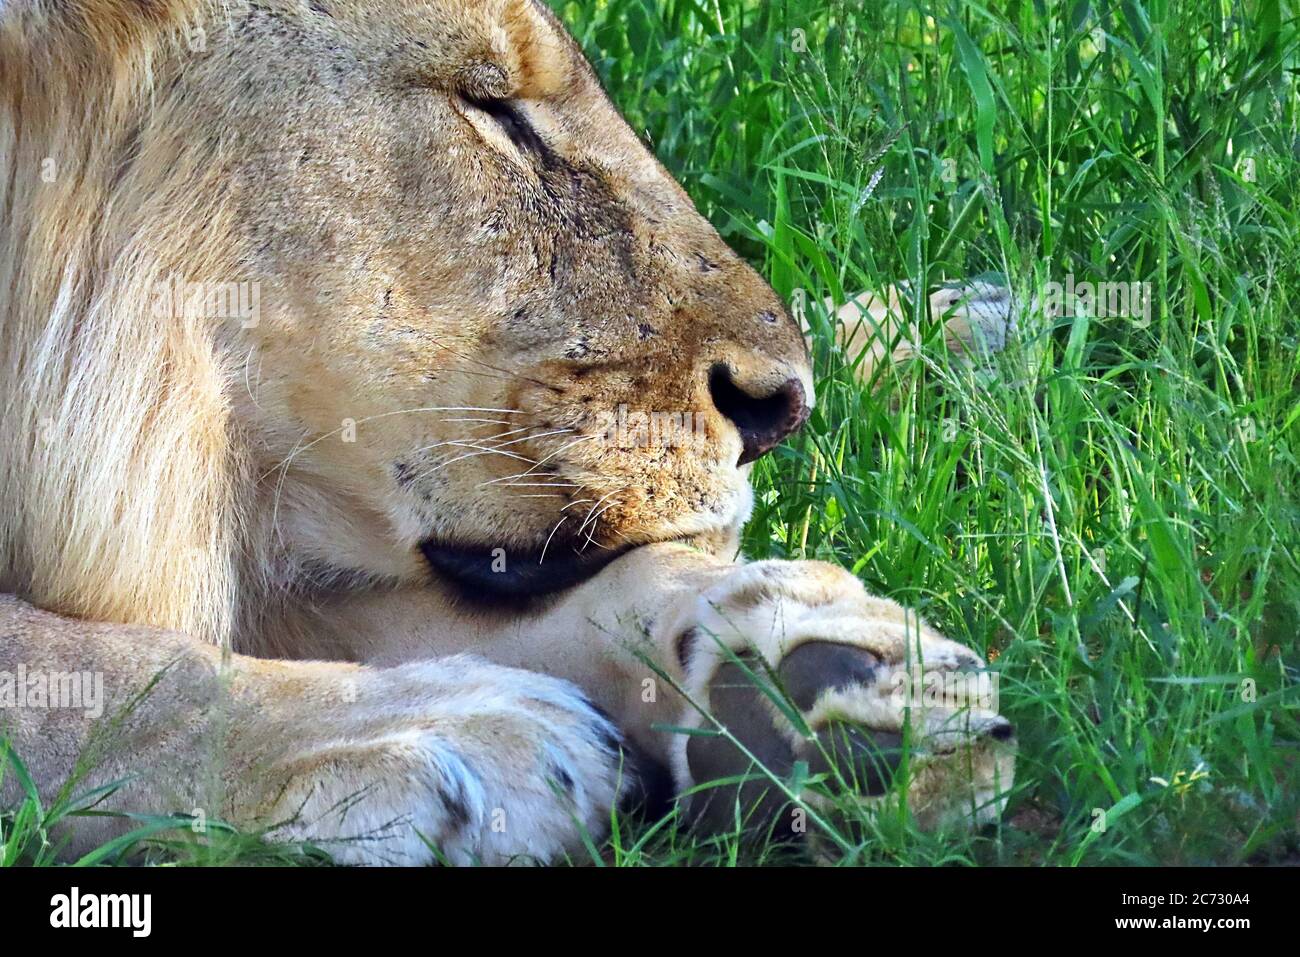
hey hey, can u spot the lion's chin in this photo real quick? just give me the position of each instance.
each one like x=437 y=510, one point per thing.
x=492 y=573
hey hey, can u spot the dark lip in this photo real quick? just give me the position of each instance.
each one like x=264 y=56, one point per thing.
x=498 y=572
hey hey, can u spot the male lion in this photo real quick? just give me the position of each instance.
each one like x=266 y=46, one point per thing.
x=316 y=314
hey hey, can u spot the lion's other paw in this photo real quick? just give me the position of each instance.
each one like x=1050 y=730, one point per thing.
x=453 y=760
x=980 y=317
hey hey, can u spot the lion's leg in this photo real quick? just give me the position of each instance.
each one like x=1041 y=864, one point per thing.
x=655 y=636
x=869 y=327
x=484 y=762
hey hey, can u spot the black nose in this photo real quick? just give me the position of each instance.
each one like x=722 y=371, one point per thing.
x=762 y=420
x=1001 y=730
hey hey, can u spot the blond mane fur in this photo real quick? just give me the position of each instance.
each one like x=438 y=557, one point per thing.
x=121 y=491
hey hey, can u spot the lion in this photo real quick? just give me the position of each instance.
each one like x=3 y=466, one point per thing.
x=319 y=319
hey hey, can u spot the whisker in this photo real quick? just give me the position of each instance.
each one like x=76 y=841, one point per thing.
x=488 y=365
x=541 y=485
x=502 y=435
x=591 y=535
x=501 y=374
x=528 y=438
x=562 y=520
x=469 y=443
x=470 y=455
x=597 y=505
x=561 y=449
x=279 y=488
x=383 y=415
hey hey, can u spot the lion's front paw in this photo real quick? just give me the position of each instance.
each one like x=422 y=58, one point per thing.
x=799 y=664
x=455 y=760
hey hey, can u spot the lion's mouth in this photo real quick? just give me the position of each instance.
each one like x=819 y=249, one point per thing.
x=493 y=572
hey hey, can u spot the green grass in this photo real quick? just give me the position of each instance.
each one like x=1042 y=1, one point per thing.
x=1110 y=508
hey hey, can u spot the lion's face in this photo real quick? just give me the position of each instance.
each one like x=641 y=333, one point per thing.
x=488 y=318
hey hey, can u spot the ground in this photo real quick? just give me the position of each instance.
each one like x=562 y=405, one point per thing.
x=1110 y=508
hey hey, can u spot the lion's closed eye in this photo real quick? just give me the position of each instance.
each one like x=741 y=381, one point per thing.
x=510 y=120
x=502 y=122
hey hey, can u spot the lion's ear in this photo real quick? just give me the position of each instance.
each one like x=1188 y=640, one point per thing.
x=544 y=56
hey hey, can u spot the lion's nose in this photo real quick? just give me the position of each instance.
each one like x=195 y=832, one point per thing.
x=762 y=420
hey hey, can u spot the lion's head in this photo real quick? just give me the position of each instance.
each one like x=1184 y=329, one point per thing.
x=352 y=288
